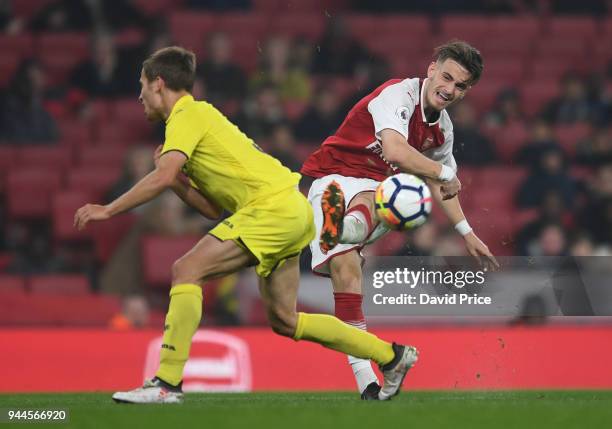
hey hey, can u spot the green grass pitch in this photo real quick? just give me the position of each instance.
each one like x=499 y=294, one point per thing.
x=313 y=410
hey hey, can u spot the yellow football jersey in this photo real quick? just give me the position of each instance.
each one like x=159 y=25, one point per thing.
x=225 y=164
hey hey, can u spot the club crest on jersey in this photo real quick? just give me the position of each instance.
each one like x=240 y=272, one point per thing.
x=402 y=113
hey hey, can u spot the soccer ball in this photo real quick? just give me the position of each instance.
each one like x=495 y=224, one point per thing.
x=403 y=201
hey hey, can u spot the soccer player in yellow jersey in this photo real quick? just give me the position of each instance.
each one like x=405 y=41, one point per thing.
x=213 y=166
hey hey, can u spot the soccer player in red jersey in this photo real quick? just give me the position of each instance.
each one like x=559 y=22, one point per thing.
x=402 y=126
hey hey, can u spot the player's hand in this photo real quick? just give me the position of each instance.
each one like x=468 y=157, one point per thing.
x=480 y=252
x=90 y=212
x=450 y=189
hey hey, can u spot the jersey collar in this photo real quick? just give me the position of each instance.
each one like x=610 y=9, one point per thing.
x=179 y=105
x=423 y=106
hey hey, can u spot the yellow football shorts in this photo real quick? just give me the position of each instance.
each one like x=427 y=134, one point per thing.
x=273 y=228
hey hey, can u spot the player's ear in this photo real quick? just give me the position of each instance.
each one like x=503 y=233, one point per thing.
x=431 y=69
x=158 y=84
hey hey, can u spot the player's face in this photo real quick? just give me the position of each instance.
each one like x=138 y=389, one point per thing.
x=447 y=82
x=150 y=98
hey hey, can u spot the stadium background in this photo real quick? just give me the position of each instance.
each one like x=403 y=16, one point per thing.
x=532 y=140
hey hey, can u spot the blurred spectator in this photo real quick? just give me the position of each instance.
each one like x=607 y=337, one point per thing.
x=9 y=24
x=549 y=174
x=551 y=241
x=138 y=163
x=88 y=15
x=219 y=5
x=367 y=76
x=321 y=118
x=470 y=146
x=23 y=116
x=581 y=245
x=134 y=314
x=596 y=217
x=277 y=69
x=224 y=80
x=507 y=109
x=573 y=105
x=338 y=52
x=596 y=149
x=105 y=74
x=542 y=140
x=551 y=210
x=282 y=147
x=261 y=114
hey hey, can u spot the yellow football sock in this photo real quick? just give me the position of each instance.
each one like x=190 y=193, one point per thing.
x=332 y=333
x=182 y=321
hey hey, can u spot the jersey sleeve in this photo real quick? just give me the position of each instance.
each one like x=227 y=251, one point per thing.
x=392 y=109
x=183 y=134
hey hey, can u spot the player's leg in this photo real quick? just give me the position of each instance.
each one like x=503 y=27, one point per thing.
x=209 y=258
x=279 y=294
x=346 y=277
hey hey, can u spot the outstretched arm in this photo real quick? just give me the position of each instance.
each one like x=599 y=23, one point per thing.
x=190 y=195
x=145 y=190
x=454 y=213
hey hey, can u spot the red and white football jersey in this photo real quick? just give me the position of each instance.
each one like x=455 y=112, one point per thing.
x=355 y=150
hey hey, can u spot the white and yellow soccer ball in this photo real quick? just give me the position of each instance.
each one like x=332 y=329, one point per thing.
x=403 y=201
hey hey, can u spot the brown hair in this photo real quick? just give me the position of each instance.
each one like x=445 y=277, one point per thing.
x=175 y=65
x=465 y=54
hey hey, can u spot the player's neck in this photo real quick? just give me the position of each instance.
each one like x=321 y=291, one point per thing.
x=169 y=99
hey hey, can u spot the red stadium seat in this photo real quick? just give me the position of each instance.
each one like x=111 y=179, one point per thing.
x=363 y=26
x=311 y=25
x=554 y=47
x=190 y=29
x=509 y=140
x=535 y=94
x=8 y=67
x=8 y=157
x=12 y=284
x=576 y=27
x=159 y=253
x=521 y=27
x=60 y=53
x=505 y=48
x=21 y=45
x=255 y=25
x=108 y=235
x=59 y=157
x=65 y=204
x=551 y=68
x=28 y=191
x=28 y=8
x=409 y=26
x=59 y=284
x=94 y=181
x=75 y=133
x=105 y=155
x=483 y=94
x=246 y=51
x=471 y=28
x=510 y=70
x=506 y=178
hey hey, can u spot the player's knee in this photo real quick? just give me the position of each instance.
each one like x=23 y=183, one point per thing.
x=282 y=322
x=346 y=278
x=183 y=272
